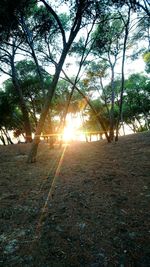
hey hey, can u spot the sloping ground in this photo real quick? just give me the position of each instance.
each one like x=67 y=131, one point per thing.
x=87 y=204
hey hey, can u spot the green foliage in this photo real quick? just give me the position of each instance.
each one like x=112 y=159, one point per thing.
x=98 y=69
x=10 y=116
x=9 y=14
x=42 y=22
x=32 y=94
x=146 y=58
x=91 y=122
x=26 y=69
x=136 y=104
x=78 y=47
x=107 y=35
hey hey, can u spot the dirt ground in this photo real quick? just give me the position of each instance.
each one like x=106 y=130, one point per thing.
x=86 y=204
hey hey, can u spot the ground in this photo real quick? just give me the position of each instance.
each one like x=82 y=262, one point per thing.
x=86 y=204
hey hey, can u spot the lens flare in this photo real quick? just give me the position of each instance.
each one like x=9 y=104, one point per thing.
x=69 y=133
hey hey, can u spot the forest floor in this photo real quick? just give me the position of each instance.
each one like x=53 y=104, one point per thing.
x=86 y=204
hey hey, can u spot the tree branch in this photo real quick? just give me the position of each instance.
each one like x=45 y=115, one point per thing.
x=57 y=20
x=144 y=8
x=5 y=72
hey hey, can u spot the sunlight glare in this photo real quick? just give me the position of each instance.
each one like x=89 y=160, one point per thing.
x=69 y=133
x=71 y=128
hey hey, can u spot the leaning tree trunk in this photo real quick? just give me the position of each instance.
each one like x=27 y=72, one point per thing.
x=5 y=132
x=66 y=46
x=2 y=137
x=44 y=113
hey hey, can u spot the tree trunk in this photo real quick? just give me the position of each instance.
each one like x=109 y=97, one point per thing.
x=2 y=138
x=120 y=116
x=9 y=141
x=33 y=151
x=51 y=138
x=111 y=129
x=105 y=97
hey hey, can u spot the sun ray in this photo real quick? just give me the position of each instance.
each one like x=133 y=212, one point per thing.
x=49 y=195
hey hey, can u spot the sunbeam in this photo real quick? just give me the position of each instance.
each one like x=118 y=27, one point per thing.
x=50 y=190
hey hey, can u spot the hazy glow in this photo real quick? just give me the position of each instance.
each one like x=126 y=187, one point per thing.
x=69 y=133
x=71 y=129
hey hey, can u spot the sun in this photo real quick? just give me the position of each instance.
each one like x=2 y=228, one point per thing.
x=71 y=129
x=69 y=133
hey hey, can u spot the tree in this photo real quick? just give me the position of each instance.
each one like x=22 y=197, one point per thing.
x=137 y=102
x=90 y=122
x=8 y=17
x=107 y=48
x=126 y=33
x=7 y=57
x=135 y=5
x=79 y=13
x=98 y=116
x=10 y=117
